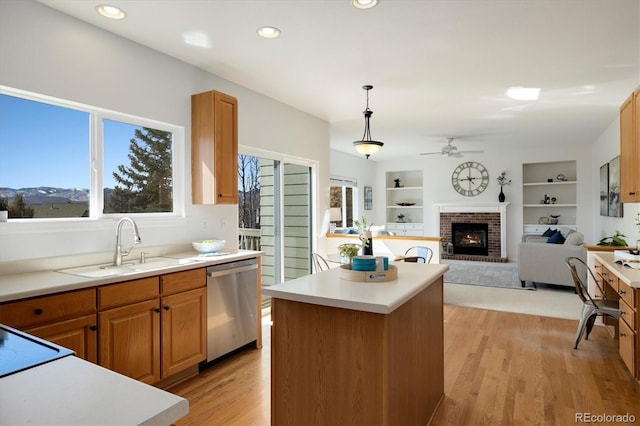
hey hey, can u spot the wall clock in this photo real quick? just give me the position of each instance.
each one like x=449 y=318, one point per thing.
x=470 y=178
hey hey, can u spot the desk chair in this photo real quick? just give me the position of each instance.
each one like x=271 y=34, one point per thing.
x=418 y=254
x=591 y=307
x=318 y=263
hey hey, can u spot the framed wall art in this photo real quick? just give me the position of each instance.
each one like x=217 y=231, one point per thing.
x=604 y=190
x=368 y=198
x=615 y=206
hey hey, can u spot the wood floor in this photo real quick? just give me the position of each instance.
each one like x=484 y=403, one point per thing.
x=500 y=369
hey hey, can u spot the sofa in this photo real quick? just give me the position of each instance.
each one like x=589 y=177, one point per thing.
x=541 y=259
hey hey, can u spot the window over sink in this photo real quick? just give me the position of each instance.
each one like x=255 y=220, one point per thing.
x=61 y=159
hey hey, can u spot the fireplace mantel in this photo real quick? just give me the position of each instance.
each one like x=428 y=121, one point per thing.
x=500 y=208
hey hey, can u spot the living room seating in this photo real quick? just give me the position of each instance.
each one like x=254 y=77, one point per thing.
x=540 y=260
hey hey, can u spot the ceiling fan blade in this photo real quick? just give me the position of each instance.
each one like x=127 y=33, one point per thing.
x=432 y=153
x=471 y=152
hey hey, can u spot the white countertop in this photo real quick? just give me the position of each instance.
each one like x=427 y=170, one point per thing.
x=328 y=289
x=71 y=391
x=40 y=283
x=630 y=276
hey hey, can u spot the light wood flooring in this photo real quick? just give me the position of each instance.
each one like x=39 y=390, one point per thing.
x=501 y=368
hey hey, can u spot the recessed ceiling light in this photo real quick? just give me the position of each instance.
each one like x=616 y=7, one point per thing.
x=364 y=4
x=111 y=11
x=520 y=93
x=268 y=32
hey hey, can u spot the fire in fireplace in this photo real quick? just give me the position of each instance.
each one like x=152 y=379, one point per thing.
x=470 y=238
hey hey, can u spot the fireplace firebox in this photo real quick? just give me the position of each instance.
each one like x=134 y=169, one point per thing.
x=470 y=238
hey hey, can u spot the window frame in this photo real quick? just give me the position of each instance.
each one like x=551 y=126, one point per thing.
x=95 y=165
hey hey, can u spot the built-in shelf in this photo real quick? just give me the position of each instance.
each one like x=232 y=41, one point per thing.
x=545 y=181
x=408 y=189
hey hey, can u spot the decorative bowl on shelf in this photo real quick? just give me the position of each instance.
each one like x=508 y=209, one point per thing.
x=208 y=246
x=406 y=204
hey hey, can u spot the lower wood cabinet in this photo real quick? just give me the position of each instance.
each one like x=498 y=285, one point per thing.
x=78 y=334
x=148 y=329
x=130 y=340
x=184 y=330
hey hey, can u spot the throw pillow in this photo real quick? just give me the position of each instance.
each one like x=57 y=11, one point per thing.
x=549 y=232
x=556 y=238
x=574 y=239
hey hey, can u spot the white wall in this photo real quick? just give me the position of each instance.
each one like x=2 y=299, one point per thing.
x=605 y=149
x=47 y=52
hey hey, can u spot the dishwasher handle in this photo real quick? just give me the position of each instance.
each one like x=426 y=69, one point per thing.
x=231 y=271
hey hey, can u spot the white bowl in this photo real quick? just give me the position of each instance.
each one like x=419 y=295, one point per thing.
x=208 y=246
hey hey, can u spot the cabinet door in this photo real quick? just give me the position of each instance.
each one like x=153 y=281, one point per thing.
x=184 y=328
x=630 y=149
x=77 y=334
x=627 y=340
x=214 y=148
x=129 y=340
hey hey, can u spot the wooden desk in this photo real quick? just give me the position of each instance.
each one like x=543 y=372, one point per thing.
x=623 y=284
x=347 y=352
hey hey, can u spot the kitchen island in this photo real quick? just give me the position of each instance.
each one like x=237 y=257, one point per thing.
x=346 y=352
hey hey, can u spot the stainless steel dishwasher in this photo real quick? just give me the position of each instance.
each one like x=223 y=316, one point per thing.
x=231 y=306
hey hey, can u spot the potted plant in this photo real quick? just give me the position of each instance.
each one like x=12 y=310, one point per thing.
x=365 y=235
x=502 y=181
x=616 y=240
x=347 y=251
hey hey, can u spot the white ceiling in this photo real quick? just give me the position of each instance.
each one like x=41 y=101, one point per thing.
x=439 y=68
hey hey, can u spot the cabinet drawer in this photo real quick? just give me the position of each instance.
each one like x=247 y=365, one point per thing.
x=627 y=294
x=128 y=292
x=48 y=308
x=627 y=347
x=610 y=279
x=182 y=281
x=628 y=315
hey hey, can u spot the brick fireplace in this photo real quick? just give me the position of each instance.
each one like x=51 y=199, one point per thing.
x=491 y=214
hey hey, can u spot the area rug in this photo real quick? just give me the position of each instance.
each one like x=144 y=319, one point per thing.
x=504 y=275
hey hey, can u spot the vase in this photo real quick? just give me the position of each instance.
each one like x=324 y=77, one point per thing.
x=367 y=248
x=501 y=196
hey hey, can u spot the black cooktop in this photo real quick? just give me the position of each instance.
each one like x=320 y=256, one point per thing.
x=20 y=351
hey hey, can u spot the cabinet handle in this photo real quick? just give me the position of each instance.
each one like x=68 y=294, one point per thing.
x=93 y=328
x=632 y=193
x=38 y=311
x=622 y=313
x=622 y=292
x=157 y=310
x=166 y=308
x=623 y=335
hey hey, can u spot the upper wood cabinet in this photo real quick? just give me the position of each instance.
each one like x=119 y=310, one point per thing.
x=214 y=148
x=630 y=149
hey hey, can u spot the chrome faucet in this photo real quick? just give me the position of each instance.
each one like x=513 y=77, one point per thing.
x=119 y=253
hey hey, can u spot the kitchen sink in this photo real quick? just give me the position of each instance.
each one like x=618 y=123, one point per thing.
x=108 y=270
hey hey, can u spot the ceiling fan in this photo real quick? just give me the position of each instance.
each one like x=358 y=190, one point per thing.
x=451 y=150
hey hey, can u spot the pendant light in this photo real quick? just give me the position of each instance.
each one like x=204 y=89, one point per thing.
x=367 y=146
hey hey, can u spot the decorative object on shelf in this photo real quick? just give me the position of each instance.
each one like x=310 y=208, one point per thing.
x=615 y=206
x=368 y=198
x=553 y=200
x=617 y=240
x=365 y=235
x=450 y=248
x=406 y=204
x=561 y=178
x=547 y=200
x=553 y=219
x=502 y=181
x=470 y=178
x=347 y=252
x=397 y=182
x=543 y=220
x=367 y=146
x=400 y=218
